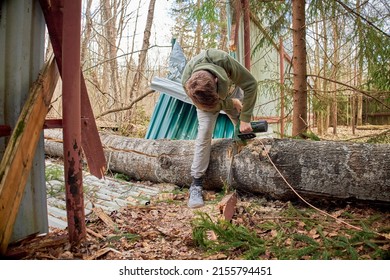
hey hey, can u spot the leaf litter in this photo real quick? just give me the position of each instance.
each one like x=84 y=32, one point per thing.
x=259 y=229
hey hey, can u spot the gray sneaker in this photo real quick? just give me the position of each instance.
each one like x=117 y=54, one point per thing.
x=196 y=197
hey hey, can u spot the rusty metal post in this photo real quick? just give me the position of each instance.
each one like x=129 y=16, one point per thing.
x=71 y=120
x=281 y=65
x=91 y=144
x=247 y=35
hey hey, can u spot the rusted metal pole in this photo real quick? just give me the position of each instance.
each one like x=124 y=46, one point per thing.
x=281 y=65
x=71 y=120
x=247 y=35
x=91 y=144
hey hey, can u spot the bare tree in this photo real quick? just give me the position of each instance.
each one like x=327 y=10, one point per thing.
x=87 y=30
x=109 y=16
x=130 y=61
x=143 y=53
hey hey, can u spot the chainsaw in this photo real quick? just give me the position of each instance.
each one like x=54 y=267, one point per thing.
x=257 y=127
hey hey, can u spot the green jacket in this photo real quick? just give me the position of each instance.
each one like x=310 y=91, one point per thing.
x=228 y=71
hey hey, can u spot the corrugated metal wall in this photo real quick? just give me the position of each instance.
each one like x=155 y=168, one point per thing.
x=175 y=119
x=22 y=31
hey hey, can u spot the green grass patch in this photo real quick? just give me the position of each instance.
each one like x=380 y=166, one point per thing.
x=231 y=238
x=295 y=234
x=130 y=237
x=54 y=172
x=121 y=177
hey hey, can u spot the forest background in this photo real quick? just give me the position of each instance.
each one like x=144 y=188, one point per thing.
x=125 y=43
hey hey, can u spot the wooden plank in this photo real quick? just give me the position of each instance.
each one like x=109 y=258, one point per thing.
x=104 y=217
x=18 y=157
x=227 y=206
x=33 y=244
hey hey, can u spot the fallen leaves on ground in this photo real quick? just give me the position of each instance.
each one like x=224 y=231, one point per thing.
x=163 y=230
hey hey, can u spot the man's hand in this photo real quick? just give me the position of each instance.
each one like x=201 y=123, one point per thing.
x=237 y=104
x=245 y=127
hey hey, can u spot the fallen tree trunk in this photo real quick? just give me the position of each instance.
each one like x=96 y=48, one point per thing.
x=323 y=169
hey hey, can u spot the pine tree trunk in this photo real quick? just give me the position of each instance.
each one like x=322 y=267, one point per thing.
x=336 y=68
x=359 y=111
x=299 y=66
x=315 y=169
x=326 y=111
x=317 y=69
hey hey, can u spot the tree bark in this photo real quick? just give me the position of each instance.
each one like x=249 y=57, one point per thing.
x=325 y=112
x=109 y=18
x=222 y=45
x=359 y=109
x=315 y=169
x=299 y=66
x=198 y=31
x=335 y=68
x=87 y=31
x=139 y=74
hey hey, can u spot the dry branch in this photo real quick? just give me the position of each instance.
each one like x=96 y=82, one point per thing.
x=126 y=107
